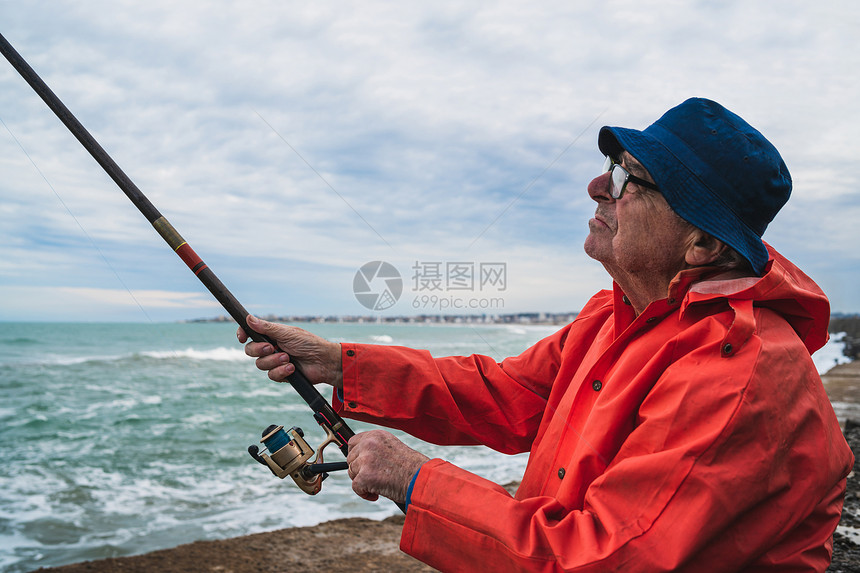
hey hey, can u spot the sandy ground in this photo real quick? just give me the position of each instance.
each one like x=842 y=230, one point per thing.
x=364 y=545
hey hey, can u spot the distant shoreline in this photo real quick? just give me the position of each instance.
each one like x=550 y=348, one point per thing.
x=523 y=318
x=847 y=325
x=840 y=322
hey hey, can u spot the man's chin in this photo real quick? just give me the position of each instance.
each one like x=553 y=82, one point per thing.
x=595 y=248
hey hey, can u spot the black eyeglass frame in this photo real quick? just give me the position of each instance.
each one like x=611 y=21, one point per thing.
x=609 y=166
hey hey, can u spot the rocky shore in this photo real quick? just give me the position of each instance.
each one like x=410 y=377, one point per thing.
x=364 y=545
x=339 y=546
x=843 y=385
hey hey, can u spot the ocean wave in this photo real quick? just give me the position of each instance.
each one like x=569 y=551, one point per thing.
x=381 y=338
x=75 y=360
x=21 y=341
x=221 y=353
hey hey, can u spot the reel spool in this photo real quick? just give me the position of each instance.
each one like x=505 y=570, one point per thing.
x=289 y=454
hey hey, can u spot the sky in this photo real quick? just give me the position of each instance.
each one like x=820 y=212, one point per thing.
x=291 y=143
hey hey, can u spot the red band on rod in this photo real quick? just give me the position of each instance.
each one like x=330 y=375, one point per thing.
x=187 y=254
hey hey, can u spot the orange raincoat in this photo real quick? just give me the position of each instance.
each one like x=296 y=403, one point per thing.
x=694 y=437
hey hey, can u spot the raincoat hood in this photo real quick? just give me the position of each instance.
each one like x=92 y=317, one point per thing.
x=783 y=288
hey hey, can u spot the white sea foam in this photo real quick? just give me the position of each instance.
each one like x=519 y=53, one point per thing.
x=220 y=353
x=203 y=420
x=830 y=354
x=381 y=338
x=266 y=391
x=73 y=360
x=223 y=354
x=28 y=507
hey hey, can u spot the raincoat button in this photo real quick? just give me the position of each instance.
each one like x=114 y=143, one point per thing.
x=727 y=349
x=352 y=405
x=624 y=299
x=597 y=385
x=560 y=473
x=350 y=352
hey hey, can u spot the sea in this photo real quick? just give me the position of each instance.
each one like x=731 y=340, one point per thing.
x=120 y=439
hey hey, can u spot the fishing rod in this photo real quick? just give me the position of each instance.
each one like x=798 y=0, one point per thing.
x=288 y=456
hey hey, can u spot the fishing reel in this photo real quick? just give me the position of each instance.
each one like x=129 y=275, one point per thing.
x=290 y=455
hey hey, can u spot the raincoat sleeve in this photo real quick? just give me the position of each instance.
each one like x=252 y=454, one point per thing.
x=724 y=461
x=454 y=400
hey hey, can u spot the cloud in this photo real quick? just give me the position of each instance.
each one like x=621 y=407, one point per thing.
x=46 y=303
x=288 y=136
x=158 y=299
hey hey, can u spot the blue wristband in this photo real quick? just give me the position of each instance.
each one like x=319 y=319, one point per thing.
x=409 y=490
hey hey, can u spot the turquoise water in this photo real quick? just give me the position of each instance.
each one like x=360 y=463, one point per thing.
x=119 y=439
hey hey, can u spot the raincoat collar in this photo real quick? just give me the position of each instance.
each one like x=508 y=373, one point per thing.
x=783 y=288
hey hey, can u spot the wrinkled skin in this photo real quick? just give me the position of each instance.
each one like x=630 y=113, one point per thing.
x=640 y=241
x=382 y=465
x=318 y=358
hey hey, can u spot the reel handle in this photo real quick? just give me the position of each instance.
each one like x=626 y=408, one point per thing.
x=320 y=468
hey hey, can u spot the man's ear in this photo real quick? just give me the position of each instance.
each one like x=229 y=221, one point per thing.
x=703 y=249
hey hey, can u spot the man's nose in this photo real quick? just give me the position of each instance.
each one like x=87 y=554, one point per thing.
x=598 y=189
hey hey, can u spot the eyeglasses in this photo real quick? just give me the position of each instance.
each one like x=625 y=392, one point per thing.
x=620 y=177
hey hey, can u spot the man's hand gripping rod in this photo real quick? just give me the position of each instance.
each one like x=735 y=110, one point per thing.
x=336 y=429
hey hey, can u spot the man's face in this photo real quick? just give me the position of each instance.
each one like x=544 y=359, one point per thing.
x=637 y=235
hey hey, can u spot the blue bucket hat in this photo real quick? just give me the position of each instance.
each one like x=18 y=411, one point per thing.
x=715 y=170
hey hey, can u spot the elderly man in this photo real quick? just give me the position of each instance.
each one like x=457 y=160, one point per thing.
x=677 y=424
